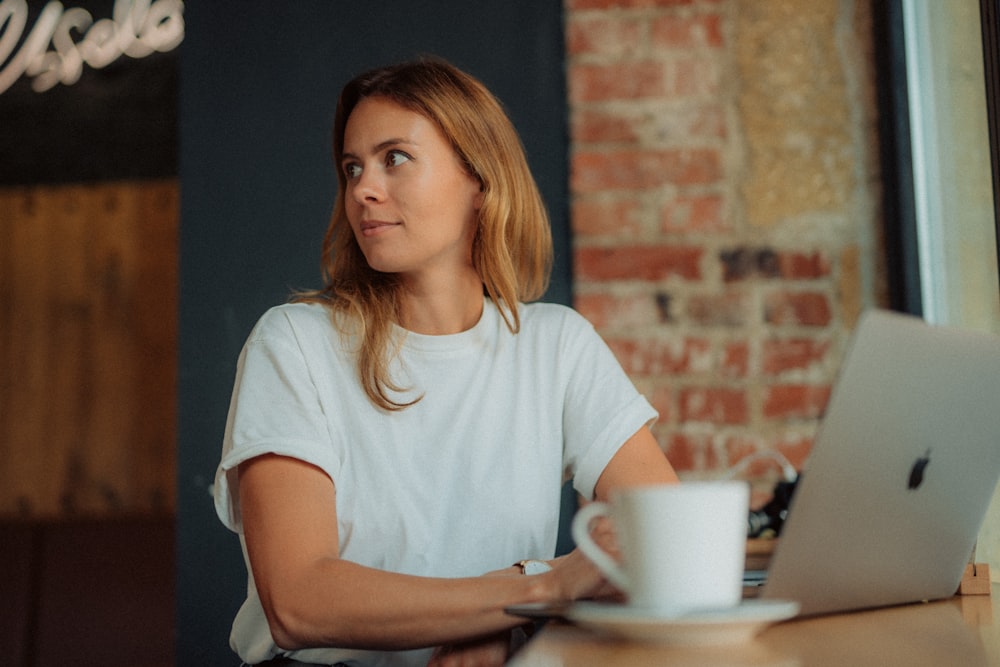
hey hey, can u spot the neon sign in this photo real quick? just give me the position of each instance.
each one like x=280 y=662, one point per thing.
x=137 y=29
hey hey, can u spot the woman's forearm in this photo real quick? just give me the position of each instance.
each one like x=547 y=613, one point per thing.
x=313 y=598
x=340 y=603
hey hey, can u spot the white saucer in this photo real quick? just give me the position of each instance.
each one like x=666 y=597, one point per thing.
x=704 y=628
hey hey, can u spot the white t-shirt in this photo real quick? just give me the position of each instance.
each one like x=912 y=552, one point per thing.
x=467 y=480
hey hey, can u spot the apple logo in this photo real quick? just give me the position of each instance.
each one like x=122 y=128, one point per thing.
x=917 y=471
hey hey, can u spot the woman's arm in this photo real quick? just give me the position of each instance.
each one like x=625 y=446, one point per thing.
x=638 y=462
x=313 y=598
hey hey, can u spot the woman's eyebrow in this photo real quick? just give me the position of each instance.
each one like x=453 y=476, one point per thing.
x=381 y=146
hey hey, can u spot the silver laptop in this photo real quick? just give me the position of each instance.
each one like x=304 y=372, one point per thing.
x=896 y=487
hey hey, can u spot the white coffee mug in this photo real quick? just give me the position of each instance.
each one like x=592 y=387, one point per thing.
x=683 y=546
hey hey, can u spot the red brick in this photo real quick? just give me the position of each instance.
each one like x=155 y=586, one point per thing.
x=618 y=218
x=685 y=125
x=646 y=357
x=709 y=121
x=802 y=308
x=602 y=127
x=737 y=449
x=647 y=262
x=730 y=309
x=692 y=77
x=684 y=452
x=662 y=399
x=688 y=452
x=779 y=356
x=803 y=266
x=630 y=125
x=616 y=81
x=603 y=35
x=735 y=359
x=702 y=213
x=687 y=32
x=744 y=263
x=796 y=450
x=711 y=458
x=716 y=405
x=795 y=401
x=644 y=169
x=606 y=311
x=595 y=308
x=764 y=458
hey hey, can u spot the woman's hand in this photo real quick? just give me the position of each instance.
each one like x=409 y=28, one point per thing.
x=579 y=577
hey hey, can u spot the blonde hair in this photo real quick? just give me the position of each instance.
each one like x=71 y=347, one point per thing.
x=512 y=249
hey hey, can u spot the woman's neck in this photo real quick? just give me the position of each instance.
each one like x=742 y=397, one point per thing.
x=448 y=306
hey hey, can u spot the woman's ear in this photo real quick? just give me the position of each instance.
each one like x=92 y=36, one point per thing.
x=477 y=201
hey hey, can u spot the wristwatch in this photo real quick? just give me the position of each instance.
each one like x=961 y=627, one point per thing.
x=532 y=566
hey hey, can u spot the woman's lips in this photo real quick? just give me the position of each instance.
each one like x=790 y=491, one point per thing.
x=373 y=227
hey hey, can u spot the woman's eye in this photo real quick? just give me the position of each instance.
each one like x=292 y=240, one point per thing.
x=352 y=170
x=395 y=158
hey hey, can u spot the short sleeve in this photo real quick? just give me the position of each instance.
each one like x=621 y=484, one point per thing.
x=602 y=410
x=274 y=409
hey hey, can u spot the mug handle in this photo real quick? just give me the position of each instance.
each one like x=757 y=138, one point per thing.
x=581 y=534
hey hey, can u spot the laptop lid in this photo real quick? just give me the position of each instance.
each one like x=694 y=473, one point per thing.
x=892 y=497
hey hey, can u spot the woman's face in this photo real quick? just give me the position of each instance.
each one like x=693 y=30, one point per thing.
x=411 y=203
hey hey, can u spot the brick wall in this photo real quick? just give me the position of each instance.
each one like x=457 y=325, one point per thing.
x=725 y=210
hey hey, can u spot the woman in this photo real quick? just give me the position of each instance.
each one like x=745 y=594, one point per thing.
x=406 y=429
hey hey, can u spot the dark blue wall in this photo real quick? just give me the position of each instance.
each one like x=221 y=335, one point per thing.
x=258 y=85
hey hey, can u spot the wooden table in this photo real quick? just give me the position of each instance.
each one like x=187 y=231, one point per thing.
x=962 y=631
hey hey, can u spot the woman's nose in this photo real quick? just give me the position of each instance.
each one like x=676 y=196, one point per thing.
x=368 y=187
